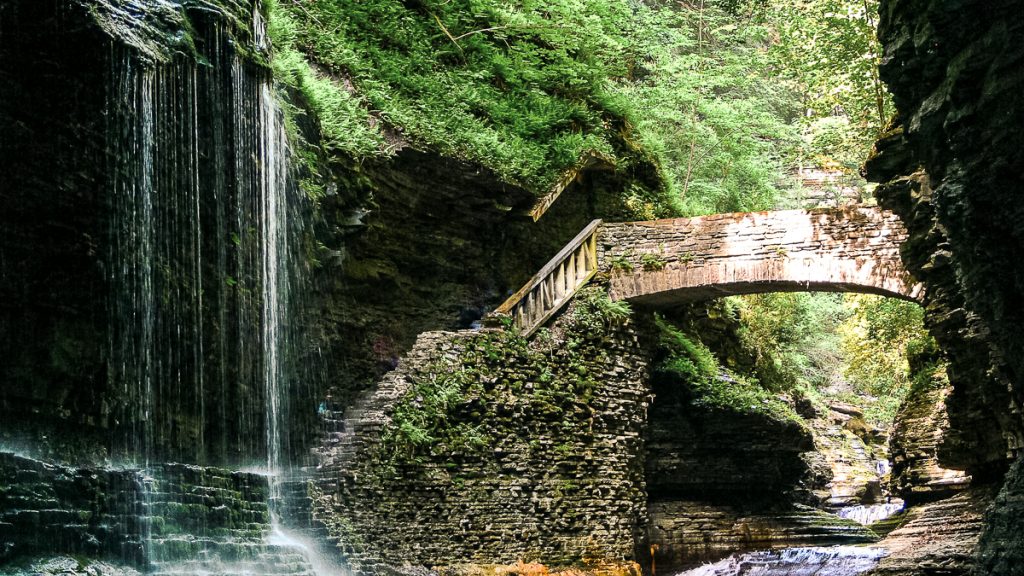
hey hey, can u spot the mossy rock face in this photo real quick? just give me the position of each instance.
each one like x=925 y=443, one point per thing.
x=168 y=515
x=160 y=31
x=884 y=527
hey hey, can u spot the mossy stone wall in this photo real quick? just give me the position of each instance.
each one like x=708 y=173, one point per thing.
x=482 y=448
x=164 y=515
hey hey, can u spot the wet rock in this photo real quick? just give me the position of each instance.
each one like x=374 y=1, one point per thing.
x=858 y=468
x=686 y=532
x=918 y=431
x=937 y=538
x=834 y=561
x=1001 y=550
x=950 y=169
x=65 y=566
x=169 y=519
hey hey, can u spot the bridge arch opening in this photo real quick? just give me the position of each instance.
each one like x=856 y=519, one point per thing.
x=734 y=466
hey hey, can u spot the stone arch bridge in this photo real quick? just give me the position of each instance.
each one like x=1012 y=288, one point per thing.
x=666 y=262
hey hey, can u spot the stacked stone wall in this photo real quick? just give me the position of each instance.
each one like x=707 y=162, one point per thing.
x=172 y=518
x=555 y=473
x=46 y=509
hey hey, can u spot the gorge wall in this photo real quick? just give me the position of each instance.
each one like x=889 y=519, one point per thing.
x=152 y=232
x=956 y=82
x=168 y=519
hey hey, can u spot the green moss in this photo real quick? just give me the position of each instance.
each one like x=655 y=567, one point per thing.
x=689 y=362
x=524 y=90
x=497 y=385
x=160 y=31
x=593 y=314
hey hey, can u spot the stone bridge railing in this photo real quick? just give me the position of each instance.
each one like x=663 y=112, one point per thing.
x=666 y=262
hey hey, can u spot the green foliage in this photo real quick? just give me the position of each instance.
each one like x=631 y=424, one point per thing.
x=652 y=262
x=344 y=120
x=594 y=313
x=877 y=339
x=621 y=263
x=827 y=52
x=715 y=95
x=690 y=363
x=852 y=347
x=793 y=336
x=428 y=416
x=522 y=89
x=710 y=111
x=930 y=376
x=690 y=360
x=530 y=89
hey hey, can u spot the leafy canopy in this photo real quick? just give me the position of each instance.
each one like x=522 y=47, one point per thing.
x=529 y=89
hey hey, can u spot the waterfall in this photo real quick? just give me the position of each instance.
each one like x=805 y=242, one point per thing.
x=275 y=257
x=871 y=513
x=132 y=305
x=206 y=228
x=200 y=271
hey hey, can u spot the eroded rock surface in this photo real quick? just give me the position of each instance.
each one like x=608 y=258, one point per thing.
x=937 y=538
x=858 y=466
x=918 y=430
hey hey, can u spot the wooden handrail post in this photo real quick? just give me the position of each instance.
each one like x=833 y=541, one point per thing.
x=556 y=283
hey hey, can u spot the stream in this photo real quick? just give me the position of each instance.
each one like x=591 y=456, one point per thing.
x=818 y=561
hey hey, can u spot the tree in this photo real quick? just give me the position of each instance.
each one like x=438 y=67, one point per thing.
x=828 y=52
x=706 y=106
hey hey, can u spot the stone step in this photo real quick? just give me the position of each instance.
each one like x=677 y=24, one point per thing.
x=273 y=560
x=188 y=547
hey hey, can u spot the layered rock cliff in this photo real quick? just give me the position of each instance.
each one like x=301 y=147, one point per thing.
x=954 y=69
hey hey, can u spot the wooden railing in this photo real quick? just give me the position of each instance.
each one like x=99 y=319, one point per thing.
x=555 y=284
